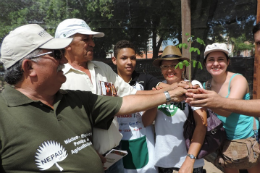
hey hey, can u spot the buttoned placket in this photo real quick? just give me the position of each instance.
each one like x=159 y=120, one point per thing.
x=91 y=68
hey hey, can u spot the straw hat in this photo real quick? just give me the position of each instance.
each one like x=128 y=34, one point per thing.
x=169 y=53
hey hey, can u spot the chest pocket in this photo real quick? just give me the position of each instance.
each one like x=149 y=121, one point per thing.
x=137 y=156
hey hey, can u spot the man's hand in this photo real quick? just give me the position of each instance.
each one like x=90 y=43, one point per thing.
x=174 y=85
x=102 y=158
x=208 y=99
x=157 y=88
x=187 y=85
x=178 y=94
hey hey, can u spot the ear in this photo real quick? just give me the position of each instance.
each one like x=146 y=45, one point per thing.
x=113 y=60
x=68 y=48
x=27 y=67
x=228 y=62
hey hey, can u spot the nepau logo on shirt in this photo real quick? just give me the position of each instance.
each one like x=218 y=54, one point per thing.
x=50 y=153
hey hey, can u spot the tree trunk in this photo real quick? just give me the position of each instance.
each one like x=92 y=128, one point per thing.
x=256 y=82
x=186 y=28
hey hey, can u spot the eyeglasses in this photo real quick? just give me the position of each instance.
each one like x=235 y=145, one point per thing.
x=57 y=54
x=167 y=67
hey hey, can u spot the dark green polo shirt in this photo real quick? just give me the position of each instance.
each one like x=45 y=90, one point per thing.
x=35 y=137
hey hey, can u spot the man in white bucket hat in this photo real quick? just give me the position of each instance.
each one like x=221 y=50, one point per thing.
x=43 y=128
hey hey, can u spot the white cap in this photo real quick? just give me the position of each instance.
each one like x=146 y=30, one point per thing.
x=72 y=26
x=216 y=47
x=23 y=40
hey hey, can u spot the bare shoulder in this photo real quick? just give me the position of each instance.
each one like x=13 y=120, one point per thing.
x=238 y=86
x=239 y=79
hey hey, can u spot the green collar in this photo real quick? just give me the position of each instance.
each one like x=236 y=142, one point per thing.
x=13 y=97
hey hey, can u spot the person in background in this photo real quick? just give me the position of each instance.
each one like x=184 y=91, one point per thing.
x=170 y=150
x=43 y=128
x=137 y=139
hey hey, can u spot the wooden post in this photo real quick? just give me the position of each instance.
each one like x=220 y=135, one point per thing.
x=256 y=82
x=186 y=28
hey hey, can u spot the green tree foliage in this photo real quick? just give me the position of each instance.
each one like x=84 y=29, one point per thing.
x=135 y=20
x=240 y=44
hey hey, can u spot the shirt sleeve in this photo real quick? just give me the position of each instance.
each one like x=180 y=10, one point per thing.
x=100 y=109
x=150 y=80
x=104 y=110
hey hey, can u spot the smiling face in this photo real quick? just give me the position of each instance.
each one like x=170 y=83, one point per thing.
x=81 y=48
x=170 y=74
x=125 y=61
x=216 y=63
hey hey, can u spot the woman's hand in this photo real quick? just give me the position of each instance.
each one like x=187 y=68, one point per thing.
x=187 y=166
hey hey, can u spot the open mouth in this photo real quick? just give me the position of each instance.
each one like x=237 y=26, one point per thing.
x=171 y=74
x=216 y=68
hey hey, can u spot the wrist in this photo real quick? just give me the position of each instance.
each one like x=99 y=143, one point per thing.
x=191 y=156
x=167 y=95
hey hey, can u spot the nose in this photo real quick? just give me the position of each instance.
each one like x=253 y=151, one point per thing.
x=215 y=63
x=171 y=68
x=92 y=43
x=129 y=61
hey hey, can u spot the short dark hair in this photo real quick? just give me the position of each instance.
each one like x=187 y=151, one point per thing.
x=14 y=73
x=256 y=28
x=123 y=44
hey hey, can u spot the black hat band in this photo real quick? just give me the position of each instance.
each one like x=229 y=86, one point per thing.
x=171 y=56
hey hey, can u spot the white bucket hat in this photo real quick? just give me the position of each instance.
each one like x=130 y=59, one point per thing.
x=25 y=39
x=72 y=26
x=216 y=47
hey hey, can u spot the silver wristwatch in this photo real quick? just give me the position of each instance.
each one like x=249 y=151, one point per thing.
x=191 y=156
x=167 y=95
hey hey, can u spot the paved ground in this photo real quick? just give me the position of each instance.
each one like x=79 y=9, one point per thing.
x=210 y=168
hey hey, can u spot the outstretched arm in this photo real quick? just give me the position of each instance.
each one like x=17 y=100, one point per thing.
x=212 y=100
x=137 y=103
x=162 y=87
x=197 y=140
x=238 y=89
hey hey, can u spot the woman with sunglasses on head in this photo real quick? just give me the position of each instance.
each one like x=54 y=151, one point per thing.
x=229 y=85
x=170 y=149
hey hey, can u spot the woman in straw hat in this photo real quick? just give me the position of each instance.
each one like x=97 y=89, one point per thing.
x=170 y=150
x=230 y=85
